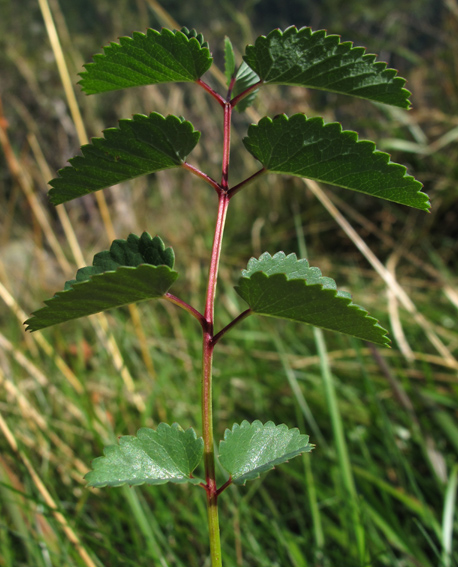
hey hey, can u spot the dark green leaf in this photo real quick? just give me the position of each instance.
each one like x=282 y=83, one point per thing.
x=321 y=61
x=169 y=454
x=245 y=79
x=143 y=145
x=307 y=147
x=251 y=449
x=285 y=287
x=229 y=60
x=131 y=252
x=193 y=33
x=104 y=291
x=157 y=57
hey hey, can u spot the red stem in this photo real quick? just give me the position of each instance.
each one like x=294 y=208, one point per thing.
x=186 y=307
x=207 y=409
x=245 y=93
x=231 y=86
x=208 y=346
x=246 y=182
x=209 y=90
x=227 y=145
x=224 y=486
x=196 y=171
x=227 y=328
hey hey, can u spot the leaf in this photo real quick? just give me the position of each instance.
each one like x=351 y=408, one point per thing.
x=147 y=59
x=245 y=79
x=285 y=287
x=229 y=60
x=136 y=269
x=251 y=449
x=103 y=291
x=193 y=33
x=321 y=61
x=139 y=146
x=307 y=147
x=131 y=252
x=169 y=454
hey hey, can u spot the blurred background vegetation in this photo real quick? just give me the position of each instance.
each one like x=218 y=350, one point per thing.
x=380 y=488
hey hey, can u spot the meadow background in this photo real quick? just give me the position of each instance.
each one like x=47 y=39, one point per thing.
x=380 y=488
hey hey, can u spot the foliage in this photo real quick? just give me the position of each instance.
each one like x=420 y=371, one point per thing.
x=321 y=61
x=142 y=145
x=168 y=454
x=250 y=449
x=297 y=146
x=304 y=278
x=284 y=287
x=147 y=59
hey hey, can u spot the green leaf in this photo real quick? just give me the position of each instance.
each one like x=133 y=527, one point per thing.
x=307 y=147
x=169 y=454
x=285 y=287
x=157 y=57
x=132 y=252
x=193 y=33
x=245 y=79
x=139 y=146
x=321 y=61
x=133 y=270
x=103 y=291
x=251 y=449
x=229 y=60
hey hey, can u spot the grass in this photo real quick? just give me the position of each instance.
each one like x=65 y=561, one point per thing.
x=380 y=488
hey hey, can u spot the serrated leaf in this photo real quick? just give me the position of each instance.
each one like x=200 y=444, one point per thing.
x=321 y=61
x=287 y=288
x=169 y=454
x=143 y=145
x=245 y=79
x=307 y=147
x=229 y=60
x=103 y=291
x=132 y=252
x=147 y=59
x=251 y=449
x=193 y=33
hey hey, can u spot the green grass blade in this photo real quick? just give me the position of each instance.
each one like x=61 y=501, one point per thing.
x=448 y=518
x=340 y=443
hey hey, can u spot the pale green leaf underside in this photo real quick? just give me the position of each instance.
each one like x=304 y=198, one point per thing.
x=307 y=147
x=132 y=252
x=147 y=59
x=104 y=291
x=251 y=449
x=245 y=79
x=293 y=268
x=321 y=61
x=287 y=288
x=143 y=145
x=169 y=454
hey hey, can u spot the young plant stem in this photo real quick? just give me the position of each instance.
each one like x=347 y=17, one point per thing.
x=228 y=327
x=213 y=93
x=207 y=352
x=238 y=98
x=202 y=175
x=207 y=409
x=246 y=182
x=177 y=301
